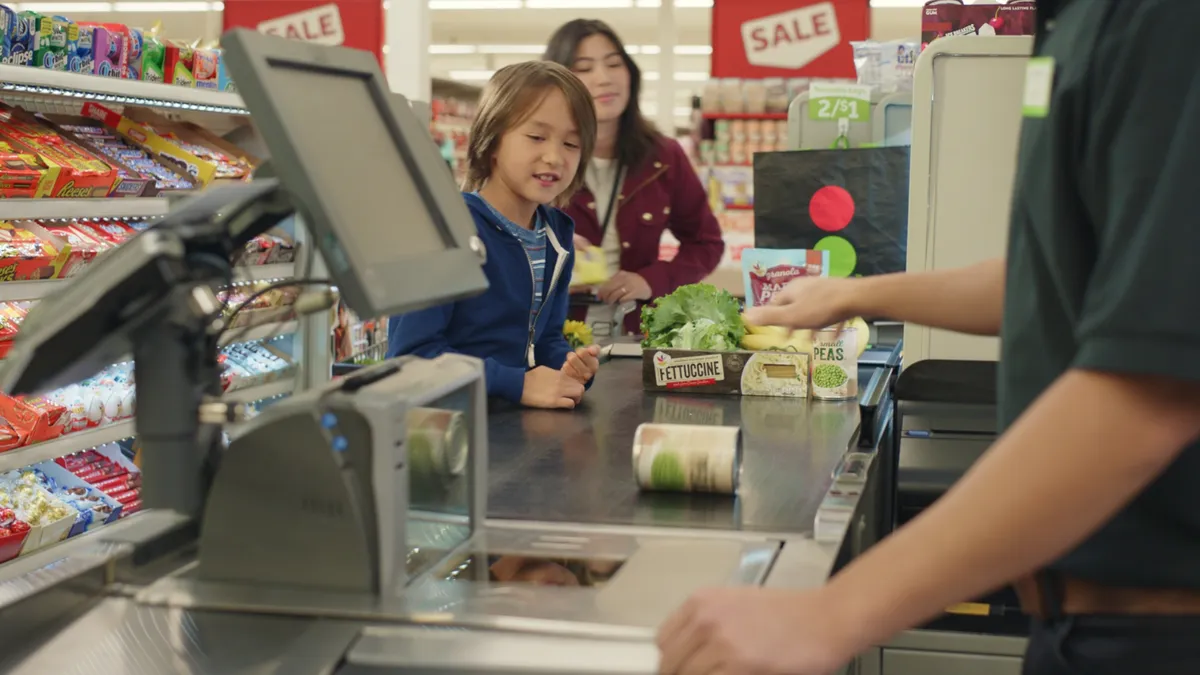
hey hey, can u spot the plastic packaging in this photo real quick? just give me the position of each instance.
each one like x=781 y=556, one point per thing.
x=766 y=271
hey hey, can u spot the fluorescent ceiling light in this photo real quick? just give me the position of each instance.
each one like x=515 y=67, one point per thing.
x=680 y=76
x=578 y=4
x=680 y=4
x=452 y=49
x=471 y=75
x=163 y=7
x=561 y=4
x=534 y=50
x=475 y=4
x=693 y=50
x=63 y=7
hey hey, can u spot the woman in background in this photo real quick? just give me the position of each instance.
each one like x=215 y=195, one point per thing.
x=638 y=183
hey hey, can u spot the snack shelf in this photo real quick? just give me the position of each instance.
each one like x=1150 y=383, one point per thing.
x=16 y=291
x=263 y=272
x=65 y=445
x=129 y=207
x=746 y=116
x=45 y=82
x=262 y=391
x=260 y=332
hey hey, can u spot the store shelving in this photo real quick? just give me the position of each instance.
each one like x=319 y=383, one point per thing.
x=746 y=116
x=262 y=391
x=139 y=207
x=14 y=291
x=263 y=272
x=23 y=79
x=259 y=332
x=65 y=445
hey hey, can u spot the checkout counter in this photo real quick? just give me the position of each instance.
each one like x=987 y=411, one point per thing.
x=326 y=539
x=393 y=521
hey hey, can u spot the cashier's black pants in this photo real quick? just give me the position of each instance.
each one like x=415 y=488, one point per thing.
x=1114 y=645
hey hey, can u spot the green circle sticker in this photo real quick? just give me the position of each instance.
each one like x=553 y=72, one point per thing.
x=842 y=256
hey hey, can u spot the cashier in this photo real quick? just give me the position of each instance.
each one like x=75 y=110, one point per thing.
x=1089 y=502
x=639 y=182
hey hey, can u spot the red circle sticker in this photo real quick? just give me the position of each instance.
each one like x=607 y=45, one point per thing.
x=831 y=208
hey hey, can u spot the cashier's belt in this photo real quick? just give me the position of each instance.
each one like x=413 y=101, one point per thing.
x=946 y=416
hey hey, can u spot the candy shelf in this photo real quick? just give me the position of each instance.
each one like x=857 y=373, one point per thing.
x=262 y=332
x=44 y=82
x=264 y=272
x=64 y=445
x=141 y=207
x=263 y=391
x=14 y=291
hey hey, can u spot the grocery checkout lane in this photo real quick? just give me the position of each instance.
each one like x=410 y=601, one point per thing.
x=422 y=575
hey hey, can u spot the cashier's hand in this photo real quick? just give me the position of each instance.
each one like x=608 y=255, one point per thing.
x=549 y=388
x=624 y=286
x=755 y=631
x=583 y=364
x=808 y=303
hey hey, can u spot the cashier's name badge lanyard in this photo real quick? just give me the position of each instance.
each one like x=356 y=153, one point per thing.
x=609 y=210
x=1039 y=72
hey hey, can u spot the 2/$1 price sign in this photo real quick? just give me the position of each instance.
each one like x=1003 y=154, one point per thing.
x=833 y=102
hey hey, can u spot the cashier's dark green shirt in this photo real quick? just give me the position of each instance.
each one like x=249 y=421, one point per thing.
x=1104 y=251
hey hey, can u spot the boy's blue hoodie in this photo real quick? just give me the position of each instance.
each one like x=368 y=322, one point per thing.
x=494 y=326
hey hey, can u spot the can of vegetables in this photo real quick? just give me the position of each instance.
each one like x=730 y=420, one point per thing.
x=835 y=364
x=687 y=458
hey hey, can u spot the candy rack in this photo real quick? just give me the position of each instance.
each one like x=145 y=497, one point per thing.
x=301 y=344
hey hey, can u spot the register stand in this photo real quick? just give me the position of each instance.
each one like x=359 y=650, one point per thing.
x=966 y=122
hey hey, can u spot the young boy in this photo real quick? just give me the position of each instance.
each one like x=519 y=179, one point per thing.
x=530 y=142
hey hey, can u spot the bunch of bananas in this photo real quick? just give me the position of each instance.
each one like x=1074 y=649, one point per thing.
x=779 y=339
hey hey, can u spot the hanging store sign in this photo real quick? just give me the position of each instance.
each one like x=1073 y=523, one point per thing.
x=345 y=23
x=787 y=38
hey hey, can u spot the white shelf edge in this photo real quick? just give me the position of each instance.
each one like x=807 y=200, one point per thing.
x=264 y=272
x=262 y=332
x=120 y=207
x=259 y=392
x=15 y=291
x=116 y=90
x=64 y=445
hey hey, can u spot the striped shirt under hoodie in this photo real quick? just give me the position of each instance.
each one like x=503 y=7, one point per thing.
x=534 y=243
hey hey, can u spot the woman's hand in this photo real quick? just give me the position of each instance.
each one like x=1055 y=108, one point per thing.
x=581 y=243
x=624 y=286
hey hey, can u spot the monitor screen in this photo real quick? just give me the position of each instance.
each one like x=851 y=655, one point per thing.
x=362 y=171
x=380 y=202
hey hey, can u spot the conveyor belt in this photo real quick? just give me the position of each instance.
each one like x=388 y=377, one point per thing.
x=576 y=466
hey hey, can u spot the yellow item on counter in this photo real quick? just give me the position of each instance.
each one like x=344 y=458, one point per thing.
x=591 y=268
x=578 y=334
x=859 y=325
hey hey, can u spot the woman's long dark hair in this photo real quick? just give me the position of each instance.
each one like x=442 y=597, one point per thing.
x=636 y=137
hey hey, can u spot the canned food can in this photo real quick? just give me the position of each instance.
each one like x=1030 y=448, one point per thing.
x=687 y=458
x=437 y=441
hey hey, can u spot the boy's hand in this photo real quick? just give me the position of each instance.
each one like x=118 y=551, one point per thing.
x=549 y=388
x=583 y=364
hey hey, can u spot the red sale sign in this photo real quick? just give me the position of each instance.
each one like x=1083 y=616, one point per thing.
x=787 y=38
x=349 y=23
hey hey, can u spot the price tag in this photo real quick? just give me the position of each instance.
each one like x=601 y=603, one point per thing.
x=830 y=102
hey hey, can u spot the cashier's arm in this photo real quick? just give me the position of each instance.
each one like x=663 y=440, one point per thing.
x=1077 y=460
x=966 y=299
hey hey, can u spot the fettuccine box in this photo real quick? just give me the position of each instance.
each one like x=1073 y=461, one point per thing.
x=740 y=373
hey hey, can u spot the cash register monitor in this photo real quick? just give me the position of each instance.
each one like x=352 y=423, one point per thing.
x=362 y=171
